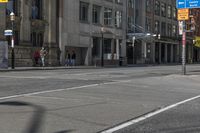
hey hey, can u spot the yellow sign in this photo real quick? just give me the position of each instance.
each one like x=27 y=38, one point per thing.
x=197 y=41
x=183 y=14
x=3 y=1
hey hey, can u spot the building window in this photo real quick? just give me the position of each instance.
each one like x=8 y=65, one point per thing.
x=157 y=7
x=163 y=27
x=36 y=9
x=157 y=27
x=130 y=23
x=96 y=47
x=163 y=9
x=148 y=24
x=118 y=1
x=108 y=16
x=118 y=19
x=84 y=7
x=96 y=14
x=169 y=12
x=131 y=3
x=174 y=12
x=174 y=30
x=169 y=30
x=107 y=46
x=148 y=5
x=11 y=6
x=37 y=39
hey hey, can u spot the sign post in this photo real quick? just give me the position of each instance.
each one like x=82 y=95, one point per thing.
x=183 y=15
x=184 y=53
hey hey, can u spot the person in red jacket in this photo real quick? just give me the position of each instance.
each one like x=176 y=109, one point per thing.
x=36 y=57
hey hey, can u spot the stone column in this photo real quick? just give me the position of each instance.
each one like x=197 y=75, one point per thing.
x=117 y=49
x=152 y=52
x=144 y=53
x=61 y=45
x=160 y=51
x=166 y=56
x=25 y=28
x=172 y=53
x=50 y=30
x=3 y=21
x=112 y=49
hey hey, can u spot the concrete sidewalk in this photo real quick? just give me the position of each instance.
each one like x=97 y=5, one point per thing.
x=47 y=68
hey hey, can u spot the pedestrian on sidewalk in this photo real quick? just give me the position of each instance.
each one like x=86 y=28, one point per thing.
x=36 y=56
x=68 y=59
x=73 y=58
x=43 y=53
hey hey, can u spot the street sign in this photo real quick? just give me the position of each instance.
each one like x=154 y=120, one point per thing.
x=188 y=3
x=197 y=41
x=3 y=1
x=183 y=14
x=8 y=33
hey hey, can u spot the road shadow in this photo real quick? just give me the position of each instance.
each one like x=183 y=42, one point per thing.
x=37 y=119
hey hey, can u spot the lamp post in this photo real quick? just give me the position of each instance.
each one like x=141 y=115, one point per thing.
x=102 y=47
x=12 y=19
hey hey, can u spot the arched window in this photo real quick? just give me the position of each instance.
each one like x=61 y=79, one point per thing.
x=36 y=9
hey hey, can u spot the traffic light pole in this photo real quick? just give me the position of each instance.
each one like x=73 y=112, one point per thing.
x=184 y=50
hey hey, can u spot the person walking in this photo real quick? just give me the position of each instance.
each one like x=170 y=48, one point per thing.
x=73 y=58
x=68 y=59
x=43 y=53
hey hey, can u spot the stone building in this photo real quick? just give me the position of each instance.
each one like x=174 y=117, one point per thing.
x=35 y=26
x=84 y=24
x=156 y=23
x=195 y=13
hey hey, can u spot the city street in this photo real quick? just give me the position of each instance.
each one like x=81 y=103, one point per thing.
x=151 y=99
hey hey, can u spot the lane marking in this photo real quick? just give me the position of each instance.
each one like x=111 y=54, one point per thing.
x=142 y=118
x=58 y=90
x=23 y=77
x=46 y=97
x=48 y=91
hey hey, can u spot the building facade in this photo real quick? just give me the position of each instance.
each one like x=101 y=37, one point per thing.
x=34 y=26
x=156 y=23
x=84 y=24
x=195 y=14
x=96 y=31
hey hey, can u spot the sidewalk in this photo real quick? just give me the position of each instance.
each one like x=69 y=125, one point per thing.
x=47 y=68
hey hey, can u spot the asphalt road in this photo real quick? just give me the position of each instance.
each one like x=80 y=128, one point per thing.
x=94 y=100
x=182 y=119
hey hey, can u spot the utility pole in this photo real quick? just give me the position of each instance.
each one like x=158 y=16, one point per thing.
x=183 y=50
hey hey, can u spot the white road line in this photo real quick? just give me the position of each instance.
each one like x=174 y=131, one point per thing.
x=45 y=97
x=132 y=122
x=58 y=90
x=23 y=77
x=49 y=91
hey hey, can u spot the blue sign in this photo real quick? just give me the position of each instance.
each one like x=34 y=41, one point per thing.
x=8 y=32
x=180 y=3
x=188 y=3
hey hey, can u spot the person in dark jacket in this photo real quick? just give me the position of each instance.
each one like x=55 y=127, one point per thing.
x=73 y=58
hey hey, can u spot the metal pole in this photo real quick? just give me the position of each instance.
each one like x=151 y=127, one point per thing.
x=102 y=50
x=12 y=46
x=183 y=50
